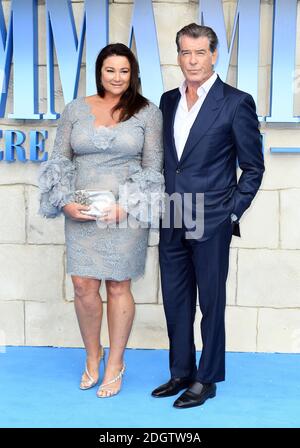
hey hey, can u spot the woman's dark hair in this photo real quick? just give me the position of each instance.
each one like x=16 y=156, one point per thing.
x=131 y=101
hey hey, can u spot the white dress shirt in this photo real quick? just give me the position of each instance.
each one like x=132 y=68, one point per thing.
x=185 y=118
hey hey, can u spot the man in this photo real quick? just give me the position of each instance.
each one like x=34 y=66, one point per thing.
x=208 y=126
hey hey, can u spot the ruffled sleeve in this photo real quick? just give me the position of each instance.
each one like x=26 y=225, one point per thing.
x=57 y=176
x=142 y=195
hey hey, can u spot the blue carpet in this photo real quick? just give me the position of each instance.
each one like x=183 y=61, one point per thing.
x=39 y=388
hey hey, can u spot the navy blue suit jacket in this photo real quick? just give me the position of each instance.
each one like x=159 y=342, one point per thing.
x=225 y=130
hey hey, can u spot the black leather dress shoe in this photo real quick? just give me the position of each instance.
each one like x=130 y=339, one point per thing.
x=196 y=395
x=172 y=387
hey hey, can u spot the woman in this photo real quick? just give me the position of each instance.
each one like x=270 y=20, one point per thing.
x=106 y=141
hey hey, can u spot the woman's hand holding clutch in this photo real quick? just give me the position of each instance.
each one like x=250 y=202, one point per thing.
x=113 y=214
x=74 y=211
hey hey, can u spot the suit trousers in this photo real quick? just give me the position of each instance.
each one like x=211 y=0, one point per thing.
x=186 y=266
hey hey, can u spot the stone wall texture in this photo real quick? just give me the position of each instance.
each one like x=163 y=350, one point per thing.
x=263 y=312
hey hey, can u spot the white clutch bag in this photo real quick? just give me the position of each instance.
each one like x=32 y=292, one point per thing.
x=96 y=199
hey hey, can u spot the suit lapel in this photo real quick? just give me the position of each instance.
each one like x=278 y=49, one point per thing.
x=206 y=116
x=169 y=118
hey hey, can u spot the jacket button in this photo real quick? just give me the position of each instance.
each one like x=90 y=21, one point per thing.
x=178 y=171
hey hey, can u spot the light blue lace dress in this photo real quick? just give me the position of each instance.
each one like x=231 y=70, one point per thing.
x=85 y=157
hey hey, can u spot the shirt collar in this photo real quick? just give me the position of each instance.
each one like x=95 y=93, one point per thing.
x=202 y=89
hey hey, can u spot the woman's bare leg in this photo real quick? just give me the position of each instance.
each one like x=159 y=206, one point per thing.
x=120 y=315
x=88 y=306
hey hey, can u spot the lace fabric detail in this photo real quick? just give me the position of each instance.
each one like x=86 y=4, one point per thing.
x=127 y=157
x=57 y=176
x=57 y=184
x=142 y=196
x=103 y=137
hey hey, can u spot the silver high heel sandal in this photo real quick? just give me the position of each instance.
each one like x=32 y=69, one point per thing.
x=111 y=392
x=91 y=382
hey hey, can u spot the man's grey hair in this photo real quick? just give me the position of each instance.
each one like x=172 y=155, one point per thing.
x=195 y=31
